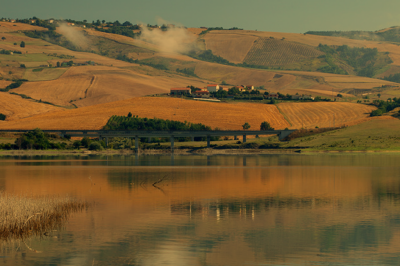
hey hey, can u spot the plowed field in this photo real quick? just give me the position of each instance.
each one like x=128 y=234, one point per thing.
x=15 y=107
x=325 y=114
x=224 y=116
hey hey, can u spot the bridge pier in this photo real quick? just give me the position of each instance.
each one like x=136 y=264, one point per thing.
x=172 y=143
x=136 y=144
x=235 y=138
x=192 y=138
x=208 y=141
x=149 y=139
x=244 y=138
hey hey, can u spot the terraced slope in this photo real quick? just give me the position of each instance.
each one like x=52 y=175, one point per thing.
x=223 y=116
x=325 y=114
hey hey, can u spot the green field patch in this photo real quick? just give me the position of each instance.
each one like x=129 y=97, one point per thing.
x=44 y=74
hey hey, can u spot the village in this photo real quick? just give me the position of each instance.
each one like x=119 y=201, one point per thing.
x=216 y=91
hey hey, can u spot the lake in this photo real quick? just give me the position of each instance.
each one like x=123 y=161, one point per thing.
x=340 y=209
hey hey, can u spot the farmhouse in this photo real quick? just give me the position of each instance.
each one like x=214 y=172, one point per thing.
x=13 y=20
x=307 y=97
x=273 y=96
x=180 y=91
x=213 y=87
x=201 y=94
x=32 y=21
x=250 y=87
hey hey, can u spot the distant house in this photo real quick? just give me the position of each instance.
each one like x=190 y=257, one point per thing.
x=224 y=88
x=250 y=87
x=213 y=87
x=273 y=96
x=13 y=20
x=307 y=97
x=241 y=88
x=201 y=94
x=70 y=24
x=296 y=97
x=180 y=91
x=51 y=21
x=32 y=21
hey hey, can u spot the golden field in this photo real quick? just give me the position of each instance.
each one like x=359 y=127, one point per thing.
x=325 y=114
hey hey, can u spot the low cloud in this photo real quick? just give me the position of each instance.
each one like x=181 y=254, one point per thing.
x=75 y=36
x=175 y=40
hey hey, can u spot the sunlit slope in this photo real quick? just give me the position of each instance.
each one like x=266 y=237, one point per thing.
x=15 y=107
x=12 y=27
x=88 y=85
x=306 y=39
x=221 y=115
x=325 y=114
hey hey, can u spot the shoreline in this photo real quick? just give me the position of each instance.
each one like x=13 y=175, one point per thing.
x=206 y=151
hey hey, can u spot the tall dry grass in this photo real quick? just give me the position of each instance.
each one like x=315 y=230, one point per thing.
x=22 y=216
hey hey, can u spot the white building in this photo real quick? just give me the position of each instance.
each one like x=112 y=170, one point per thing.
x=213 y=87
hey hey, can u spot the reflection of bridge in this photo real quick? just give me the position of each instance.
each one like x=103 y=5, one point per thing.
x=105 y=134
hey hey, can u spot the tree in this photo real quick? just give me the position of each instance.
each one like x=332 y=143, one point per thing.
x=130 y=114
x=22 y=66
x=379 y=95
x=246 y=126
x=58 y=64
x=22 y=44
x=3 y=38
x=2 y=116
x=340 y=95
x=266 y=126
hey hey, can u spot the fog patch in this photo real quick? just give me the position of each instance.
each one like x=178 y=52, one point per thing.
x=75 y=36
x=176 y=39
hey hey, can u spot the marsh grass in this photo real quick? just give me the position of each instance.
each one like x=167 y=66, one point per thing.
x=22 y=216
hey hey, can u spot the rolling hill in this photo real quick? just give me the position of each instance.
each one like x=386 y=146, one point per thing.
x=145 y=67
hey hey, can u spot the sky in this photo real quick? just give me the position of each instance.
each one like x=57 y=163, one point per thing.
x=296 y=16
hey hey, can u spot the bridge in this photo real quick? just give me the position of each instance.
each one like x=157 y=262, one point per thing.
x=137 y=134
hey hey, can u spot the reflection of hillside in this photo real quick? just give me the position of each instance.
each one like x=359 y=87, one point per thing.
x=216 y=211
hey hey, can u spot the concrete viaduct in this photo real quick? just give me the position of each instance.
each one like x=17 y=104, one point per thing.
x=105 y=134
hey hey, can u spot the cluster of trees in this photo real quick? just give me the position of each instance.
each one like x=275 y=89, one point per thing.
x=391 y=35
x=131 y=122
x=125 y=58
x=9 y=52
x=208 y=56
x=52 y=37
x=393 y=77
x=385 y=106
x=90 y=144
x=264 y=126
x=2 y=116
x=14 y=85
x=125 y=29
x=187 y=71
x=38 y=140
x=364 y=61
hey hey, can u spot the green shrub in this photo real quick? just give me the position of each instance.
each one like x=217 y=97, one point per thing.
x=95 y=146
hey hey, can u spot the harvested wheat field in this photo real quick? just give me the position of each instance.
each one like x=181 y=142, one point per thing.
x=10 y=27
x=24 y=216
x=88 y=85
x=15 y=107
x=325 y=114
x=221 y=115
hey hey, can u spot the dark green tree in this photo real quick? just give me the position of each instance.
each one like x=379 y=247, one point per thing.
x=246 y=126
x=58 y=64
x=130 y=114
x=3 y=38
x=2 y=116
x=22 y=44
x=266 y=126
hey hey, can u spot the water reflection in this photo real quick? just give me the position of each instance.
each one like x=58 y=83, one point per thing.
x=215 y=210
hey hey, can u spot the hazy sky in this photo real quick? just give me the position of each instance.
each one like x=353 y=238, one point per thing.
x=266 y=15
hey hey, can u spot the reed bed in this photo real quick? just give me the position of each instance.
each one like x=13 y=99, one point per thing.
x=22 y=216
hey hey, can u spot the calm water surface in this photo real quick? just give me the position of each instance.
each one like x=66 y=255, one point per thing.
x=216 y=210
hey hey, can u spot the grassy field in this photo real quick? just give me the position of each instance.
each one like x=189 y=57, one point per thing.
x=374 y=135
x=45 y=74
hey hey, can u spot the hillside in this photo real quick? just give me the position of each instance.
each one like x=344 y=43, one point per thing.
x=107 y=67
x=221 y=115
